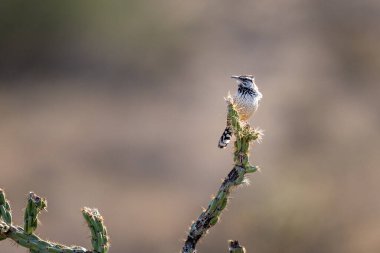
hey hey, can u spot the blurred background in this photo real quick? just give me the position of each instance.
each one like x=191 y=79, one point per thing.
x=119 y=105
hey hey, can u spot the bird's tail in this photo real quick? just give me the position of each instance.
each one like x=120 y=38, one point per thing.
x=225 y=138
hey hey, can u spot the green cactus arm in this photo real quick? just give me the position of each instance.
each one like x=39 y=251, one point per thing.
x=99 y=237
x=5 y=208
x=33 y=208
x=5 y=211
x=26 y=238
x=244 y=135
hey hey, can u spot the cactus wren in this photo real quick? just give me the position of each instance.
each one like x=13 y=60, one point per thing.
x=246 y=101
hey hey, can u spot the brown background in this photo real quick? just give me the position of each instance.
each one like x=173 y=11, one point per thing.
x=119 y=105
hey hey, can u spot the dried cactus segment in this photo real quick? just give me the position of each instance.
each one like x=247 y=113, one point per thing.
x=234 y=247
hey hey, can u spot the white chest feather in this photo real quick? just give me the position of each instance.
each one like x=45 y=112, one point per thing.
x=246 y=104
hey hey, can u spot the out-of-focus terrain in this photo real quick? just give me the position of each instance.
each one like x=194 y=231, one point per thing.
x=119 y=105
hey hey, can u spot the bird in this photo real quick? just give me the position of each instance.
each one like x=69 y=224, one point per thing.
x=246 y=101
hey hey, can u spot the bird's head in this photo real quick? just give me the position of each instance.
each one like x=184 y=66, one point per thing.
x=245 y=81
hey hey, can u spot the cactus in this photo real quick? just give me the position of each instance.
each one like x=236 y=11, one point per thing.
x=234 y=247
x=25 y=237
x=244 y=135
x=33 y=208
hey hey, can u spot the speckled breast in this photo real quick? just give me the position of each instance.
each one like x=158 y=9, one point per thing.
x=246 y=105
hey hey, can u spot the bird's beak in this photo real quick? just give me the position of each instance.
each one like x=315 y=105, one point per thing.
x=235 y=77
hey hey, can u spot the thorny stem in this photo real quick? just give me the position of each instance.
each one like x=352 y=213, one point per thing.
x=25 y=237
x=244 y=136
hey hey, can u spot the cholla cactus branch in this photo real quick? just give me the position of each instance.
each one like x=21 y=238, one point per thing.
x=5 y=208
x=99 y=237
x=25 y=237
x=35 y=205
x=244 y=136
